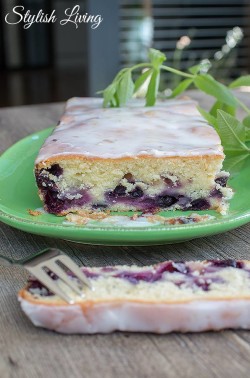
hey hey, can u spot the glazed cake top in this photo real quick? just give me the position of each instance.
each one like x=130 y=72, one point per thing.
x=171 y=128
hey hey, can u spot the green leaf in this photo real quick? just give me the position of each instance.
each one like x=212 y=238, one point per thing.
x=181 y=87
x=114 y=103
x=240 y=82
x=229 y=109
x=246 y=123
x=208 y=117
x=209 y=85
x=108 y=94
x=194 y=69
x=119 y=74
x=153 y=88
x=232 y=132
x=125 y=88
x=218 y=105
x=234 y=162
x=141 y=79
x=156 y=57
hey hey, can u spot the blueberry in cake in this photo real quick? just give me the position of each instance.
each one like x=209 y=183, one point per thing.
x=135 y=158
x=170 y=296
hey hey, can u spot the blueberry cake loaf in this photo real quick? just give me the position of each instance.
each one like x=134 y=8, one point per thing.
x=170 y=296
x=134 y=158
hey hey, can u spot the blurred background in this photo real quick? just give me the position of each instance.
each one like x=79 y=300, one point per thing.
x=51 y=62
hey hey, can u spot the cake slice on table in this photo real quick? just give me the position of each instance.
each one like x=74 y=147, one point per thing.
x=170 y=296
x=135 y=158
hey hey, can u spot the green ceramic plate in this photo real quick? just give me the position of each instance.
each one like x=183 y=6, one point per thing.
x=18 y=193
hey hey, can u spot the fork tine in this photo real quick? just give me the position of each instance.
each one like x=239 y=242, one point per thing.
x=55 y=268
x=74 y=269
x=49 y=258
x=45 y=279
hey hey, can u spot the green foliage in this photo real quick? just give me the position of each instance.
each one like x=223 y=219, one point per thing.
x=246 y=123
x=208 y=117
x=141 y=79
x=153 y=87
x=181 y=87
x=125 y=88
x=240 y=82
x=206 y=83
x=156 y=57
x=234 y=134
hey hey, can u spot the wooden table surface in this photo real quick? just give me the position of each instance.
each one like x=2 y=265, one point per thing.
x=26 y=351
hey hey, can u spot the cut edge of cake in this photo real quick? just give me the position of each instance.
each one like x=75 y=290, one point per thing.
x=69 y=182
x=186 y=297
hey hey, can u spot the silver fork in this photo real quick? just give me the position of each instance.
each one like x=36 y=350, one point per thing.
x=49 y=259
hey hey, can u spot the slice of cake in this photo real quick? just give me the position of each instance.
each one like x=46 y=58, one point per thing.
x=170 y=296
x=134 y=158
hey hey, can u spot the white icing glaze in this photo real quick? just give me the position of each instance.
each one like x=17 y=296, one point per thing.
x=171 y=128
x=194 y=316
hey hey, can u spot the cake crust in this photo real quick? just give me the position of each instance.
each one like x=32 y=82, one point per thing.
x=185 y=297
x=55 y=159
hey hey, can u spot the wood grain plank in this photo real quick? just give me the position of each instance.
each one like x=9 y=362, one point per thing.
x=18 y=122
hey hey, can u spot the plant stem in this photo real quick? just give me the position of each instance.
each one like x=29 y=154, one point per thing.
x=119 y=75
x=140 y=65
x=166 y=68
x=177 y=72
